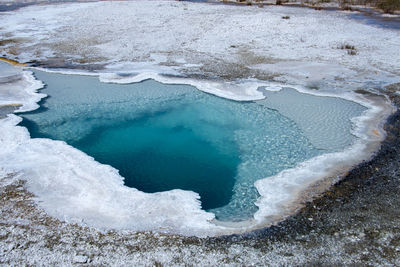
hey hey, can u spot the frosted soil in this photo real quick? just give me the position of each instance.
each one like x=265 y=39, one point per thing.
x=207 y=41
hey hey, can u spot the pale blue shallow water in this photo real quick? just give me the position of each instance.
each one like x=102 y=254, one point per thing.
x=162 y=137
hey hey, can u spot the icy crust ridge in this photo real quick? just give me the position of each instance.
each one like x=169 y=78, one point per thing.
x=243 y=91
x=367 y=127
x=72 y=186
x=24 y=93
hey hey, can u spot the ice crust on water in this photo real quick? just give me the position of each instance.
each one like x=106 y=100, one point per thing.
x=19 y=87
x=245 y=90
x=253 y=141
x=143 y=31
x=310 y=113
x=72 y=186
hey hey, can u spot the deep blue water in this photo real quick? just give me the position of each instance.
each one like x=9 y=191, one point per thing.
x=162 y=137
x=158 y=152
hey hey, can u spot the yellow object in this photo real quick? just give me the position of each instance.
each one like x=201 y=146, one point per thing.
x=12 y=62
x=376 y=132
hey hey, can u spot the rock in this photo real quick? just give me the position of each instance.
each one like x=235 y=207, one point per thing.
x=336 y=234
x=80 y=259
x=11 y=247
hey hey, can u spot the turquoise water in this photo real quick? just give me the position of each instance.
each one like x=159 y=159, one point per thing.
x=162 y=137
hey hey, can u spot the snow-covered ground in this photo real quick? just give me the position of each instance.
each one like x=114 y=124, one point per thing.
x=220 y=49
x=211 y=40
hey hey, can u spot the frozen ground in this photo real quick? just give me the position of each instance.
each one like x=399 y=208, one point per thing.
x=207 y=41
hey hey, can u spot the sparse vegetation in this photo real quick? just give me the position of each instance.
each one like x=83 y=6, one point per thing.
x=389 y=6
x=351 y=49
x=352 y=52
x=347 y=46
x=393 y=88
x=347 y=7
x=11 y=41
